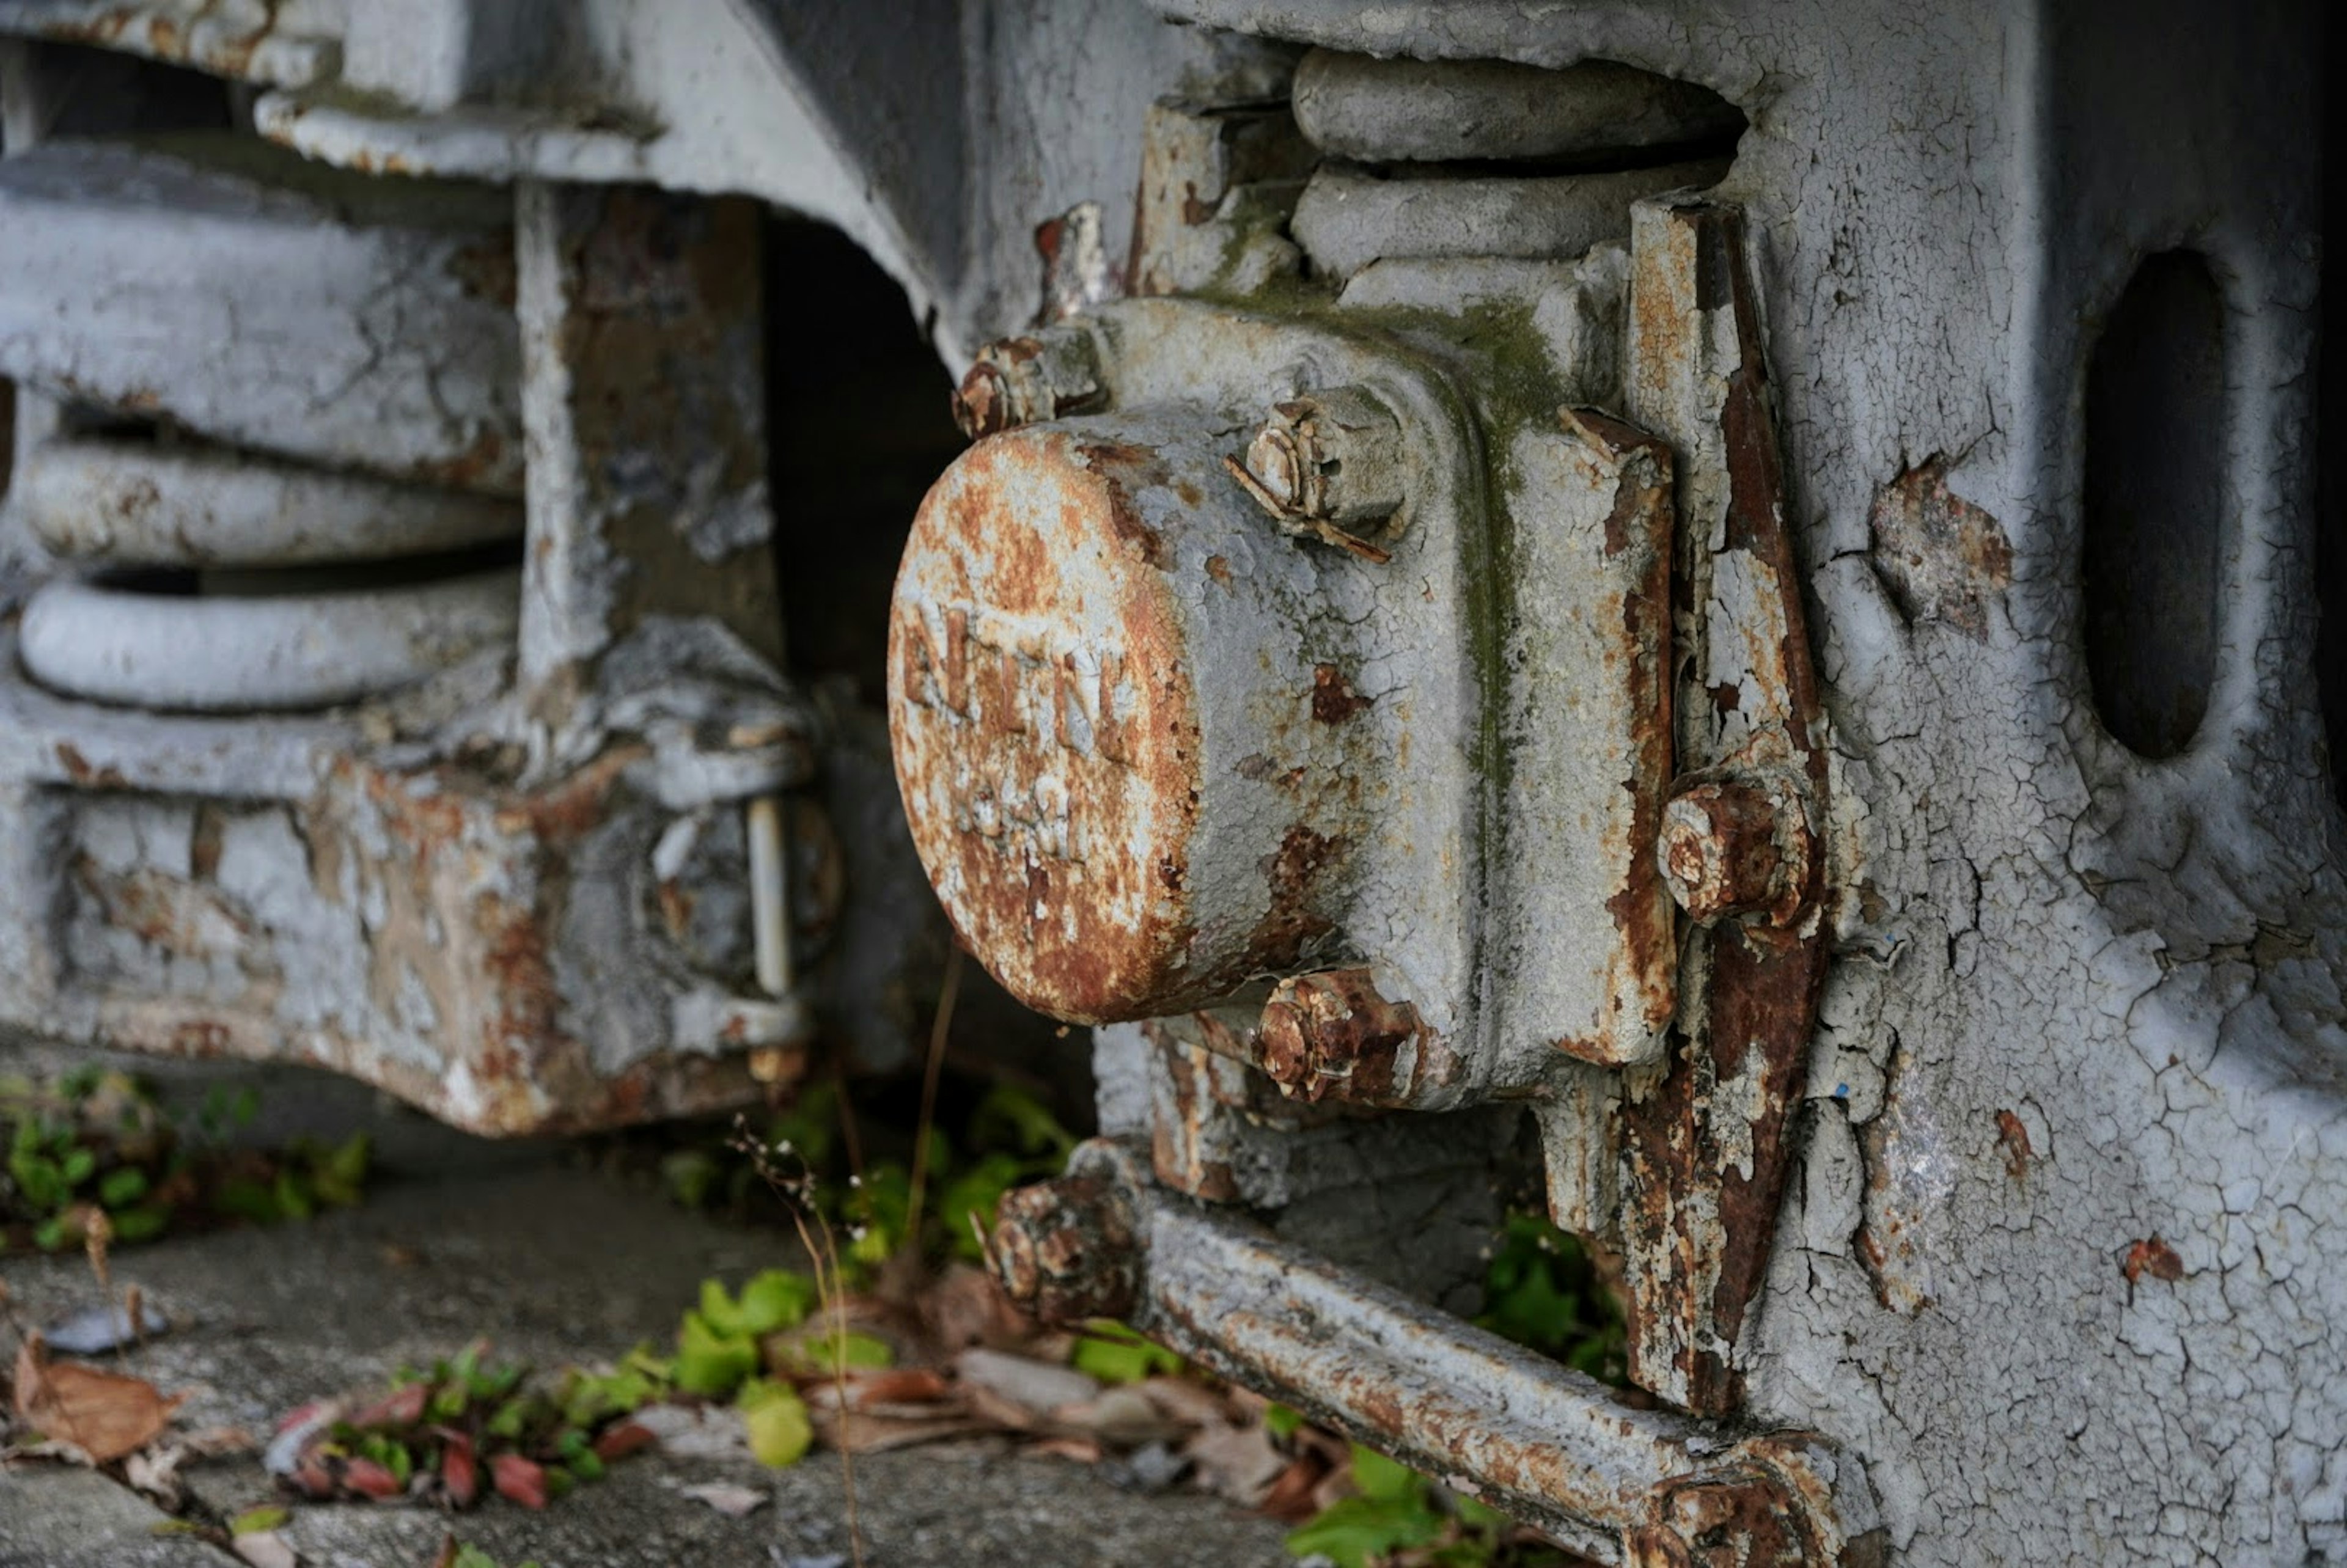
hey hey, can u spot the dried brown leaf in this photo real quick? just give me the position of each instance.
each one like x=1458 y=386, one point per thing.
x=862 y=1431
x=1236 y=1462
x=105 y=1414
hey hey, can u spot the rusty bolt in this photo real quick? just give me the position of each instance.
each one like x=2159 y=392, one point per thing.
x=1330 y=1036
x=1330 y=457
x=1717 y=1521
x=1023 y=380
x=1735 y=846
x=1064 y=1250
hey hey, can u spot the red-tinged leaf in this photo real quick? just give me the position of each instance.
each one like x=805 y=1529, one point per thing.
x=517 y=1480
x=369 y=1479
x=404 y=1408
x=460 y=1473
x=298 y=1414
x=621 y=1440
x=312 y=1478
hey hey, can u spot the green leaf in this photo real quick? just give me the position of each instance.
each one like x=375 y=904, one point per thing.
x=78 y=1165
x=813 y=1355
x=974 y=1195
x=140 y=1223
x=709 y=1362
x=775 y=1300
x=1115 y=1354
x=293 y=1196
x=776 y=1417
x=1007 y=1118
x=246 y=1199
x=809 y=1130
x=1383 y=1479
x=53 y=1234
x=690 y=1174
x=1280 y=1422
x=1351 y=1532
x=253 y=1520
x=121 y=1187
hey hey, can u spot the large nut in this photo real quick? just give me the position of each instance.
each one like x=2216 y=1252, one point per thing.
x=1128 y=777
x=1024 y=380
x=1330 y=1036
x=1737 y=846
x=1064 y=1250
x=1332 y=456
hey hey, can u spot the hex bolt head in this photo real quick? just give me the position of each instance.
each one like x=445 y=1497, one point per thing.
x=1735 y=846
x=1328 y=464
x=1330 y=1036
x=1064 y=1250
x=1023 y=380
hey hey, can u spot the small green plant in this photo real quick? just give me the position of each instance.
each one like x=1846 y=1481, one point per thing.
x=1399 y=1519
x=1541 y=1291
x=94 y=1144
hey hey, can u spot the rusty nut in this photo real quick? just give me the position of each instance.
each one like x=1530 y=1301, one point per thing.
x=1332 y=456
x=1330 y=1036
x=1024 y=380
x=1064 y=1250
x=1735 y=846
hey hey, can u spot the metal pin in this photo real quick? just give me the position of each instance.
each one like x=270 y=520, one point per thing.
x=769 y=895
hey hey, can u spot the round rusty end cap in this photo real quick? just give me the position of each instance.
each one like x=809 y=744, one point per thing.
x=1045 y=722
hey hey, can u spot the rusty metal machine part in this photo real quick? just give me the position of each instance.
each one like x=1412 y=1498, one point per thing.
x=1113 y=847
x=1157 y=746
x=1611 y=1481
x=298 y=764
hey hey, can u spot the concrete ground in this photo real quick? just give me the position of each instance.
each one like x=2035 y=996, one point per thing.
x=460 y=1238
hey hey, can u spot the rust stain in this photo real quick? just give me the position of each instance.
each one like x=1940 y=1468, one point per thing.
x=1941 y=557
x=80 y=770
x=1704 y=1144
x=2153 y=1257
x=1334 y=700
x=1331 y=1036
x=2014 y=1136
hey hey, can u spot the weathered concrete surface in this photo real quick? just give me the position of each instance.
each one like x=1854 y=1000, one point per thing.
x=52 y=1517
x=462 y=1238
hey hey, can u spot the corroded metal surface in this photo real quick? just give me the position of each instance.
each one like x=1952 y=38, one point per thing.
x=204 y=653
x=133 y=503
x=1078 y=688
x=166 y=279
x=1738 y=847
x=1606 y=1477
x=1415 y=110
x=1330 y=1036
x=1707 y=1138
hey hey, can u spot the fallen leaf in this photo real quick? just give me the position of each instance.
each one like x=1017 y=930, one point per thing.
x=863 y=1431
x=619 y=1440
x=368 y=1479
x=685 y=1432
x=294 y=1432
x=897 y=1385
x=105 y=1414
x=1037 y=1385
x=1236 y=1462
x=1122 y=1417
x=96 y=1330
x=154 y=1472
x=1083 y=1451
x=266 y=1549
x=1181 y=1399
x=732 y=1502
x=517 y=1480
x=1294 y=1496
x=965 y=1306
